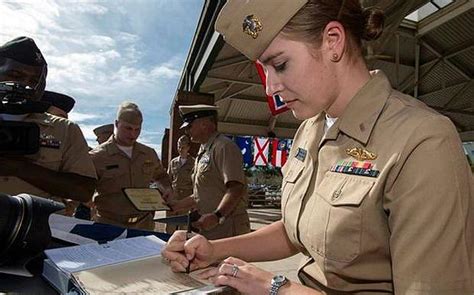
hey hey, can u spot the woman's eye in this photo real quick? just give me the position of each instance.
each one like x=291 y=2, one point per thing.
x=281 y=67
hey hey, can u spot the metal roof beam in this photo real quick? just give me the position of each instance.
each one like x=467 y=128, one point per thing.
x=233 y=80
x=231 y=61
x=459 y=93
x=254 y=130
x=230 y=94
x=445 y=59
x=465 y=46
x=248 y=98
x=444 y=15
x=463 y=84
x=453 y=111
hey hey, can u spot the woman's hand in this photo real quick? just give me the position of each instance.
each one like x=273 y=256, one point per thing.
x=180 y=252
x=240 y=275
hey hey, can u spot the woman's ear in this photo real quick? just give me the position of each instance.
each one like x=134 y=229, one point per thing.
x=334 y=41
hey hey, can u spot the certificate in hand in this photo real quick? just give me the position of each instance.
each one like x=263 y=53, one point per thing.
x=146 y=199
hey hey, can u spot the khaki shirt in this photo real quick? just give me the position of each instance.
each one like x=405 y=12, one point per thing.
x=62 y=149
x=115 y=170
x=181 y=176
x=220 y=161
x=402 y=222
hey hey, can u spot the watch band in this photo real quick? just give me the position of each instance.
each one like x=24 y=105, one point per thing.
x=277 y=282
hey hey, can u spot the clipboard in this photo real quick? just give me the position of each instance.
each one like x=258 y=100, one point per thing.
x=146 y=199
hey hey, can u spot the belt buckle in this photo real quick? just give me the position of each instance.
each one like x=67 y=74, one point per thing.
x=132 y=219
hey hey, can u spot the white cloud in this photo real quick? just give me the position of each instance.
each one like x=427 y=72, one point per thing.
x=80 y=117
x=89 y=7
x=103 y=52
x=164 y=71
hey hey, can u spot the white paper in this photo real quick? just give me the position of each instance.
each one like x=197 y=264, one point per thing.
x=77 y=258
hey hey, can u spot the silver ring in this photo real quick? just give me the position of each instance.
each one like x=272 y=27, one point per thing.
x=235 y=270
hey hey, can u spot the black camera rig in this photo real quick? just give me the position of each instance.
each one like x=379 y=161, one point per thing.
x=19 y=138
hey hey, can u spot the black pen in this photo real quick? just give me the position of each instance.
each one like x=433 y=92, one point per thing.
x=188 y=236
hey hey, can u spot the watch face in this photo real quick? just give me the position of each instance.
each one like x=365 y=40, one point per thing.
x=279 y=279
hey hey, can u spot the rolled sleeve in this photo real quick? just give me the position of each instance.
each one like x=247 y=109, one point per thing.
x=229 y=161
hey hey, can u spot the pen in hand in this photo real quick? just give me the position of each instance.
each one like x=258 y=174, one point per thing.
x=188 y=236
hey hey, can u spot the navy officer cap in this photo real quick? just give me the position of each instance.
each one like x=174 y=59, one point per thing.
x=23 y=50
x=59 y=100
x=192 y=112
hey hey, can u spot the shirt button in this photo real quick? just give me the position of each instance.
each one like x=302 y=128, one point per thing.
x=336 y=195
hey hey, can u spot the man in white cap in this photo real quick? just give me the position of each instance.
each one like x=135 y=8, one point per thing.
x=122 y=162
x=220 y=186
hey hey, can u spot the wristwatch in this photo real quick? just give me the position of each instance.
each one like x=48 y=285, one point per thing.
x=220 y=217
x=277 y=282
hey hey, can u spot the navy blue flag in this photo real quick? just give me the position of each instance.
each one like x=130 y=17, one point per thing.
x=78 y=231
x=245 y=145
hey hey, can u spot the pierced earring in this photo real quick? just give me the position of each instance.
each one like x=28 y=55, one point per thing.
x=335 y=57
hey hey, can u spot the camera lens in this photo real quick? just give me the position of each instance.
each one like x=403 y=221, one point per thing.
x=24 y=227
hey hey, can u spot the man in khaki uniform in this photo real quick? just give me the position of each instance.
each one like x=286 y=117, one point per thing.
x=103 y=132
x=62 y=167
x=61 y=104
x=180 y=169
x=122 y=162
x=220 y=186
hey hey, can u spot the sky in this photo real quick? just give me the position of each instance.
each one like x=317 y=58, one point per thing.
x=109 y=51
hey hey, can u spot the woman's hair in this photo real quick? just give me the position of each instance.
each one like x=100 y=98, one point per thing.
x=310 y=21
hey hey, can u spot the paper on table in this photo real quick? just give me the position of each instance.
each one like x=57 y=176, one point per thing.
x=78 y=258
x=149 y=275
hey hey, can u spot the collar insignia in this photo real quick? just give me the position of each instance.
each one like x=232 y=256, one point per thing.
x=252 y=26
x=361 y=154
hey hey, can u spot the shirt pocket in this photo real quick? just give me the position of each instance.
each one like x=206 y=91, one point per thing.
x=113 y=180
x=204 y=165
x=342 y=208
x=50 y=158
x=290 y=177
x=148 y=169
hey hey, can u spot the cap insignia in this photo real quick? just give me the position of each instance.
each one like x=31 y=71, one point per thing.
x=252 y=26
x=361 y=154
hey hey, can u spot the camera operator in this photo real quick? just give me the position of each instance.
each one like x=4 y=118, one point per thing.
x=61 y=168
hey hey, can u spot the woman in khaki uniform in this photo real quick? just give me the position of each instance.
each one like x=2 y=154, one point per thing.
x=376 y=193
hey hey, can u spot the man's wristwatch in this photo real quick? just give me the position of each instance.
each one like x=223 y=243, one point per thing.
x=277 y=282
x=220 y=217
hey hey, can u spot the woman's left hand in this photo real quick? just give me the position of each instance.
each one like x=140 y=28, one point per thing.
x=240 y=275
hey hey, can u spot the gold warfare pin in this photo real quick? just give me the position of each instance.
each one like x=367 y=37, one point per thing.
x=252 y=26
x=361 y=154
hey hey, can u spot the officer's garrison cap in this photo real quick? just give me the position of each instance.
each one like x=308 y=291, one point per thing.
x=191 y=113
x=251 y=25
x=23 y=50
x=59 y=100
x=108 y=128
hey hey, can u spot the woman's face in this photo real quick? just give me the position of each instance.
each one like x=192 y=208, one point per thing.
x=300 y=75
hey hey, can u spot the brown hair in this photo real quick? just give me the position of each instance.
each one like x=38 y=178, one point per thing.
x=310 y=21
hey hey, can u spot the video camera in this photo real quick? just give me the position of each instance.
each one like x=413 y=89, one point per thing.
x=18 y=138
x=24 y=228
